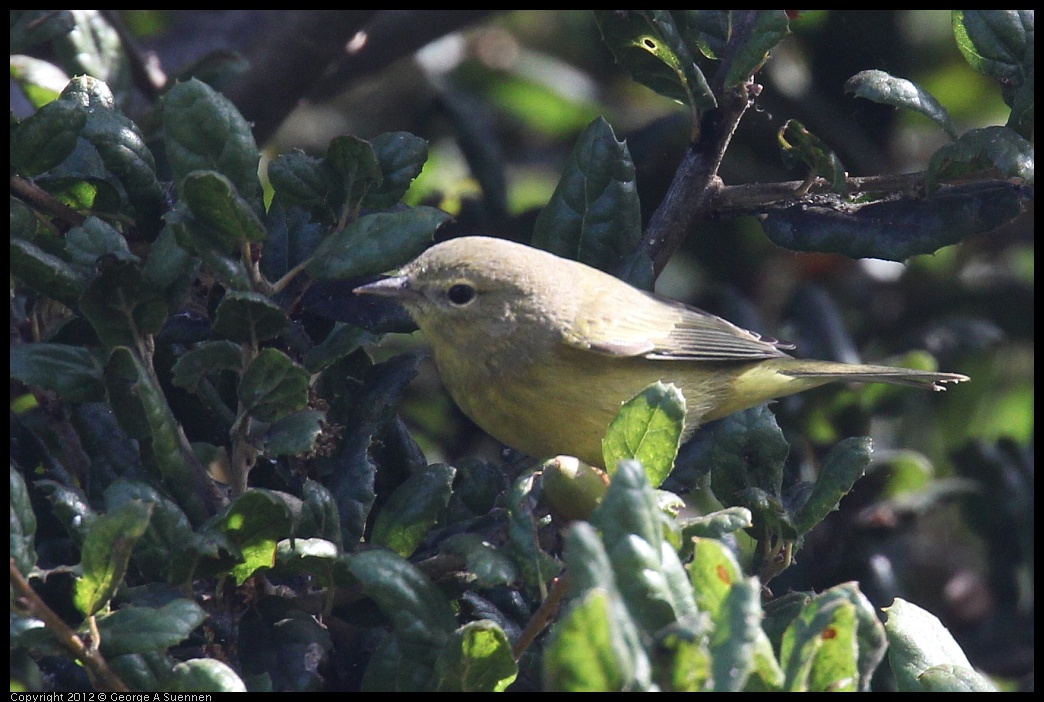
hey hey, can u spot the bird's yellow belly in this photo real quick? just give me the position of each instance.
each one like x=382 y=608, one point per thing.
x=567 y=406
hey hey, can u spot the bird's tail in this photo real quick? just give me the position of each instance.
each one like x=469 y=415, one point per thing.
x=855 y=373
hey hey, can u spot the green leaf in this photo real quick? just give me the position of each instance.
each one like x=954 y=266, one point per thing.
x=70 y=507
x=886 y=89
x=737 y=630
x=23 y=525
x=255 y=522
x=594 y=215
x=818 y=652
x=799 y=146
x=71 y=371
x=477 y=658
x=204 y=675
x=203 y=131
x=137 y=629
x=106 y=552
x=681 y=656
x=977 y=150
x=413 y=509
x=48 y=137
x=842 y=467
x=273 y=386
x=45 y=273
x=649 y=575
x=209 y=357
x=249 y=317
x=580 y=655
x=376 y=243
x=218 y=211
x=648 y=45
x=648 y=428
x=401 y=157
x=284 y=644
x=918 y=644
x=123 y=305
x=741 y=39
x=716 y=525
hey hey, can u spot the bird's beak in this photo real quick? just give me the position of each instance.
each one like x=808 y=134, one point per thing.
x=397 y=287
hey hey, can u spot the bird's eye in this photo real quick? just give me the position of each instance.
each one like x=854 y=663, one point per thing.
x=461 y=294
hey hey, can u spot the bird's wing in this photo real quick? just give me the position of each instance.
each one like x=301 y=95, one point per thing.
x=662 y=329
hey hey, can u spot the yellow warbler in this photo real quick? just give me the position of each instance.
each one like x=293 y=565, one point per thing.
x=541 y=351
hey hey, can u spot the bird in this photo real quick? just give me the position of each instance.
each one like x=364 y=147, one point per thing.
x=542 y=351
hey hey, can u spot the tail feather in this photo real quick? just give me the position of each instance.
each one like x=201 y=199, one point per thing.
x=878 y=374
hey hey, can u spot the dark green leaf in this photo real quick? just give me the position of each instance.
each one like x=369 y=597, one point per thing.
x=647 y=428
x=535 y=566
x=30 y=28
x=137 y=629
x=376 y=243
x=219 y=212
x=71 y=508
x=344 y=340
x=997 y=43
x=142 y=410
x=48 y=137
x=273 y=386
x=248 y=317
x=210 y=357
x=203 y=131
x=292 y=238
x=896 y=230
x=122 y=304
x=489 y=566
x=353 y=170
x=401 y=157
x=319 y=515
x=594 y=215
x=45 y=273
x=106 y=552
x=844 y=465
x=886 y=89
x=647 y=44
x=169 y=529
x=93 y=240
x=997 y=148
x=291 y=435
x=716 y=525
x=121 y=147
x=413 y=509
x=748 y=451
x=299 y=178
x=23 y=525
x=71 y=371
x=283 y=643
x=419 y=612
